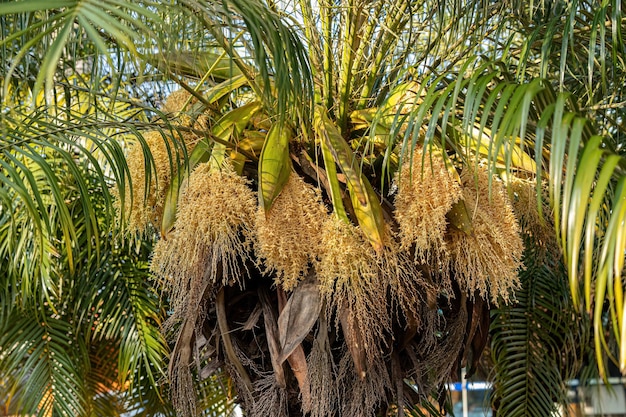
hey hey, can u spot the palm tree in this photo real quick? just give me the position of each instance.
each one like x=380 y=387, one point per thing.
x=79 y=318
x=334 y=187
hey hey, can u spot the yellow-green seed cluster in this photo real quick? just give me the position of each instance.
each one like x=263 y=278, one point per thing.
x=487 y=261
x=290 y=233
x=426 y=193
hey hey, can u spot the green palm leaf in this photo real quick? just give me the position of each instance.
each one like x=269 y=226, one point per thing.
x=41 y=357
x=534 y=345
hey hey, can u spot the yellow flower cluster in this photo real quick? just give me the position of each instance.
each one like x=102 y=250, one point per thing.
x=213 y=234
x=535 y=226
x=163 y=154
x=426 y=193
x=350 y=278
x=487 y=261
x=180 y=105
x=290 y=233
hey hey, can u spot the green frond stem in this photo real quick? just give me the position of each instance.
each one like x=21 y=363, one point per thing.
x=313 y=36
x=328 y=70
x=352 y=15
x=362 y=55
x=227 y=46
x=383 y=47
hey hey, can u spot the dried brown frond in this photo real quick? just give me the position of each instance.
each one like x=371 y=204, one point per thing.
x=426 y=192
x=144 y=207
x=289 y=235
x=213 y=235
x=488 y=260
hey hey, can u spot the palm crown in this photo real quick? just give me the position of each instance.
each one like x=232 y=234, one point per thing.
x=342 y=178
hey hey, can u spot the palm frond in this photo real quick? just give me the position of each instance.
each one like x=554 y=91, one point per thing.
x=216 y=396
x=534 y=131
x=40 y=356
x=39 y=158
x=46 y=30
x=77 y=290
x=279 y=55
x=526 y=90
x=535 y=342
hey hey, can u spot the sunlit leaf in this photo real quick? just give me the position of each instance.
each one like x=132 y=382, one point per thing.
x=274 y=164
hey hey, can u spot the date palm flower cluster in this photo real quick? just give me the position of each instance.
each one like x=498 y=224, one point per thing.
x=287 y=268
x=156 y=167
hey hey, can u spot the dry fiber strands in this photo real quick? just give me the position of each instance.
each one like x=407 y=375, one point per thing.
x=144 y=207
x=289 y=235
x=426 y=192
x=487 y=261
x=370 y=287
x=213 y=235
x=321 y=379
x=350 y=278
